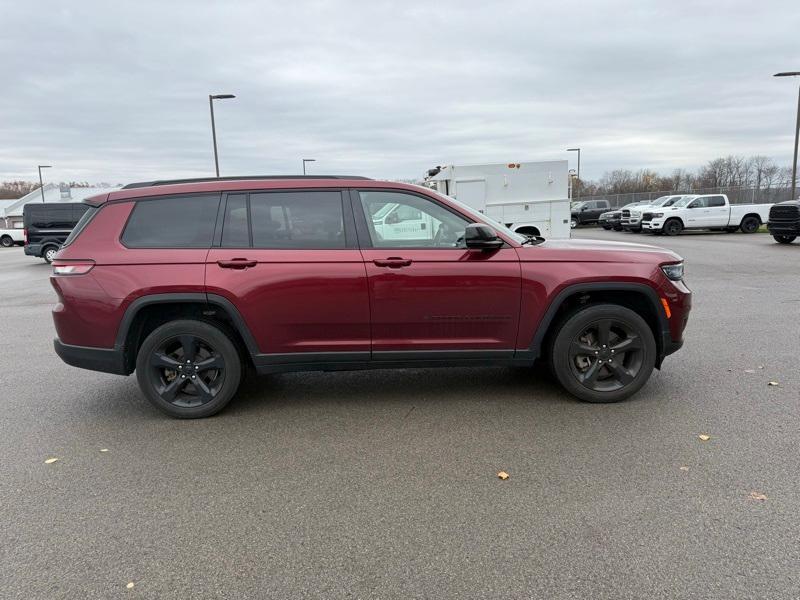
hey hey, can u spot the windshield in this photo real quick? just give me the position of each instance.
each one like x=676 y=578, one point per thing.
x=383 y=211
x=480 y=217
x=577 y=205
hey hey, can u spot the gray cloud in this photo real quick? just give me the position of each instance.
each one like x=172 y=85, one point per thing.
x=118 y=91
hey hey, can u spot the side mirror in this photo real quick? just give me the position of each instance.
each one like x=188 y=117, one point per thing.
x=480 y=236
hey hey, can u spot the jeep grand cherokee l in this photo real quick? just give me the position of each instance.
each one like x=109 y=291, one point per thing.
x=188 y=283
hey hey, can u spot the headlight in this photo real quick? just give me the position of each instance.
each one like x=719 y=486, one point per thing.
x=673 y=272
x=658 y=215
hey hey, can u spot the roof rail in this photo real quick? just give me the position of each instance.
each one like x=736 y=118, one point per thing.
x=141 y=184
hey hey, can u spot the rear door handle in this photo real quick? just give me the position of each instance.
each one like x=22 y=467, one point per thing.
x=393 y=262
x=237 y=263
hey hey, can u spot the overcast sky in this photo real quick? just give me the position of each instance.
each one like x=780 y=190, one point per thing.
x=118 y=91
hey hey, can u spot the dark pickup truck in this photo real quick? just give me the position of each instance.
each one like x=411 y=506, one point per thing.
x=588 y=212
x=784 y=221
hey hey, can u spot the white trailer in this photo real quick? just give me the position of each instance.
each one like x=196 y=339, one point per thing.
x=531 y=198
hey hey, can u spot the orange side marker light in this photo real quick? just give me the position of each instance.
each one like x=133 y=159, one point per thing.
x=665 y=304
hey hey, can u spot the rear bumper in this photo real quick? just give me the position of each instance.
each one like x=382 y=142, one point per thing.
x=107 y=360
x=33 y=249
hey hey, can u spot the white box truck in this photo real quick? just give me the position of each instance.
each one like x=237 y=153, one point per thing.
x=531 y=198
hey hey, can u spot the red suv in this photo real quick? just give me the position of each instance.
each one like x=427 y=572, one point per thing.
x=189 y=282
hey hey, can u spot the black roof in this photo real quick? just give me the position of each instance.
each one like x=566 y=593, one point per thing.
x=141 y=184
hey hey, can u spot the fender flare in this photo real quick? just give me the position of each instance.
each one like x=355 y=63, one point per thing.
x=662 y=341
x=192 y=298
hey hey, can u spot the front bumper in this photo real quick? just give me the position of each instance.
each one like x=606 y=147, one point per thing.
x=653 y=225
x=107 y=360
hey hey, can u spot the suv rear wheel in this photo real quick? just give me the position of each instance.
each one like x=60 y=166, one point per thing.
x=6 y=241
x=603 y=353
x=188 y=369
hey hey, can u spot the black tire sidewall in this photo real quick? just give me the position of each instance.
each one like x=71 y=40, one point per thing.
x=6 y=241
x=573 y=324
x=784 y=239
x=669 y=231
x=750 y=220
x=217 y=339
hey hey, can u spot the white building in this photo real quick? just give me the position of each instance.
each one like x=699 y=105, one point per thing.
x=11 y=211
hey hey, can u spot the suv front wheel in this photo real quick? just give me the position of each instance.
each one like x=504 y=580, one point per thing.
x=188 y=369
x=603 y=353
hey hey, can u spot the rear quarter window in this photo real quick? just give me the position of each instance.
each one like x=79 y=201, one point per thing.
x=172 y=222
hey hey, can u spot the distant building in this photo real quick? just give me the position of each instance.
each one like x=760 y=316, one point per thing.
x=11 y=210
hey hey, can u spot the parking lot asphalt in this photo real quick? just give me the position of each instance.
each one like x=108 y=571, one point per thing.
x=383 y=484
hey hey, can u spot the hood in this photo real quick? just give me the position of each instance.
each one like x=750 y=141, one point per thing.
x=597 y=251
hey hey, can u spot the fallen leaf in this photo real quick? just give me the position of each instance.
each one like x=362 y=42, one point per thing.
x=704 y=437
x=50 y=461
x=503 y=475
x=684 y=468
x=103 y=449
x=758 y=496
x=130 y=585
x=773 y=383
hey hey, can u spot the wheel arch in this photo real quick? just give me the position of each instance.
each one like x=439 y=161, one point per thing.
x=639 y=297
x=748 y=215
x=146 y=313
x=527 y=230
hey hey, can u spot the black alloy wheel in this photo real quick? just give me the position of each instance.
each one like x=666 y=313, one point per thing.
x=606 y=355
x=603 y=353
x=673 y=227
x=188 y=369
x=750 y=224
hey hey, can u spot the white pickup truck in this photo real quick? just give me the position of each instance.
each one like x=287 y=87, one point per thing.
x=9 y=237
x=709 y=211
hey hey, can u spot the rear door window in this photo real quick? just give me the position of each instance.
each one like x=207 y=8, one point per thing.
x=301 y=220
x=716 y=201
x=172 y=222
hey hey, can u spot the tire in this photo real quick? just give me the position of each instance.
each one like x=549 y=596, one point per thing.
x=784 y=239
x=607 y=227
x=673 y=227
x=617 y=227
x=216 y=362
x=750 y=224
x=49 y=253
x=583 y=365
x=6 y=241
x=573 y=223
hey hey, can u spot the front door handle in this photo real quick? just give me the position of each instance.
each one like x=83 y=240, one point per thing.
x=393 y=262
x=237 y=263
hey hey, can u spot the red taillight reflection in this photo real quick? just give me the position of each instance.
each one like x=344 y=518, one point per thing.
x=72 y=268
x=25 y=236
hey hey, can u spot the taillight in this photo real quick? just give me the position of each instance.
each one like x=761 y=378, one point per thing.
x=79 y=267
x=25 y=236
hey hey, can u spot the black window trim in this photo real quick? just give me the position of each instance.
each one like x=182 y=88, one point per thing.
x=351 y=240
x=362 y=229
x=135 y=202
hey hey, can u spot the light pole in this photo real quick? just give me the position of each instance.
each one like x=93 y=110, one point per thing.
x=211 y=99
x=305 y=160
x=796 y=131
x=578 y=150
x=41 y=184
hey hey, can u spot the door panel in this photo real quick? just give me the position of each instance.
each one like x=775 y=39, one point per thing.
x=444 y=299
x=434 y=294
x=293 y=271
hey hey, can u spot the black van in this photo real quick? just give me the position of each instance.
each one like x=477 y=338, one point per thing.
x=47 y=225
